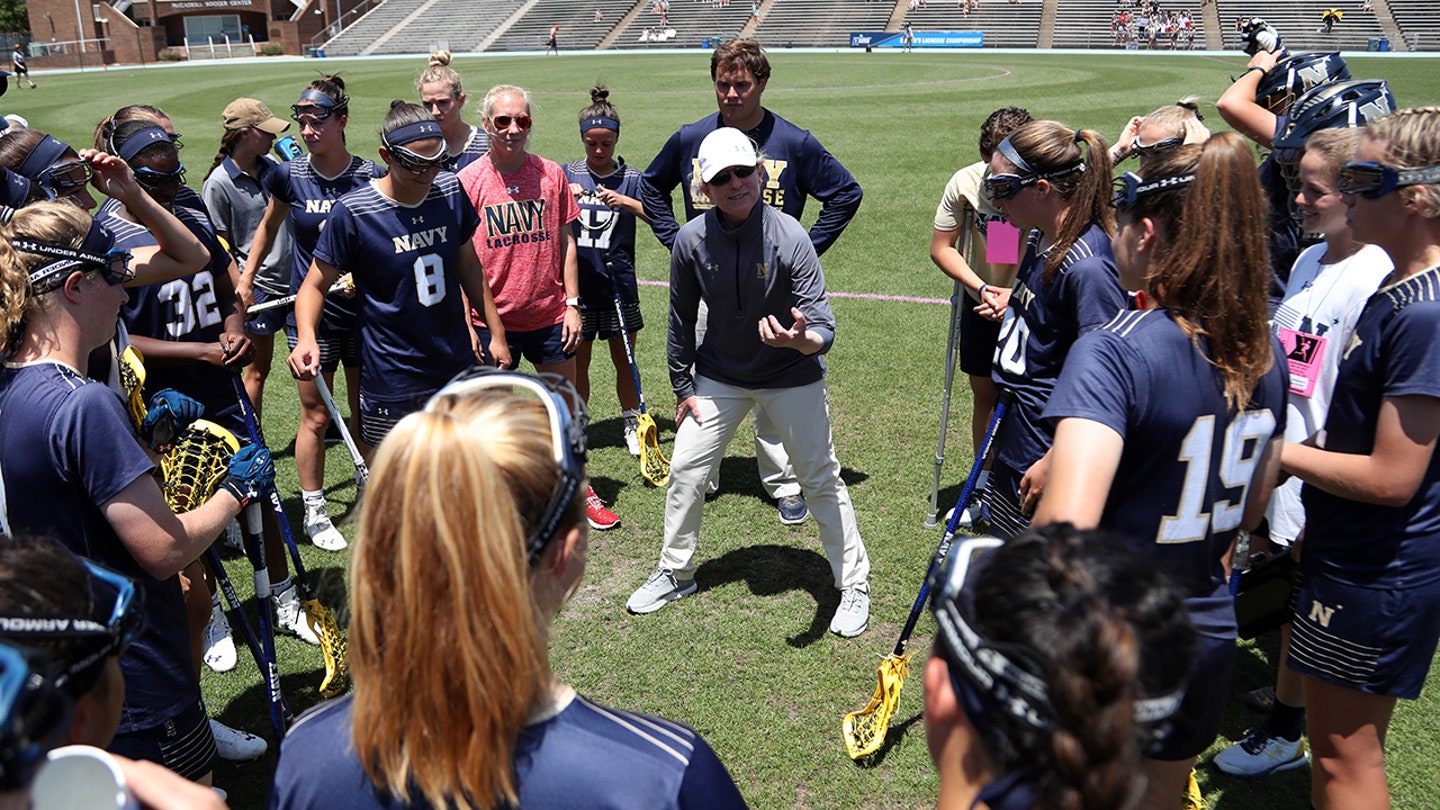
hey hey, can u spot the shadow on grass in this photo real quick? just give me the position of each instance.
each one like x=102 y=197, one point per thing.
x=893 y=736
x=769 y=570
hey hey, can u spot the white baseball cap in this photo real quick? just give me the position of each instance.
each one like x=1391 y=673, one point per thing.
x=723 y=148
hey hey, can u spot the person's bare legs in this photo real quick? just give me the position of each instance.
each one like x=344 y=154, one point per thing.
x=624 y=380
x=259 y=369
x=1166 y=780
x=1347 y=746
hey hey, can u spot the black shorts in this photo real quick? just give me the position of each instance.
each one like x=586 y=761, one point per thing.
x=334 y=347
x=183 y=743
x=542 y=347
x=978 y=336
x=602 y=322
x=378 y=417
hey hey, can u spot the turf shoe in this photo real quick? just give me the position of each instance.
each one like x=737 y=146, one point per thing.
x=793 y=510
x=235 y=745
x=290 y=615
x=219 y=643
x=632 y=431
x=853 y=614
x=1260 y=754
x=601 y=519
x=321 y=531
x=659 y=590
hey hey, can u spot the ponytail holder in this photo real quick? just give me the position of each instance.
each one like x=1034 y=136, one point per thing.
x=1079 y=136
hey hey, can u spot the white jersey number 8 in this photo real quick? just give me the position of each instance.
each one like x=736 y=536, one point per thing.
x=1245 y=439
x=430 y=279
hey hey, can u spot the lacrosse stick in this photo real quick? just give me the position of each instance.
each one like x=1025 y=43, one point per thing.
x=952 y=359
x=191 y=471
x=346 y=283
x=864 y=731
x=132 y=379
x=653 y=464
x=362 y=470
x=320 y=618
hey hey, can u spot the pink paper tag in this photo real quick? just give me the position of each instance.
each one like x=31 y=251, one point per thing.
x=1303 y=352
x=1002 y=243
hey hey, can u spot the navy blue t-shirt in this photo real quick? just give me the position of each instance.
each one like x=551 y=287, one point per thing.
x=1041 y=324
x=1394 y=352
x=586 y=755
x=475 y=148
x=405 y=260
x=1188 y=462
x=604 y=236
x=66 y=447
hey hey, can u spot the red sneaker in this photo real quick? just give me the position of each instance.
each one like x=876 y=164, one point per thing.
x=601 y=519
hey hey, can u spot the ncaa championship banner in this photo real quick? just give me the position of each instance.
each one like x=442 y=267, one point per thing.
x=923 y=39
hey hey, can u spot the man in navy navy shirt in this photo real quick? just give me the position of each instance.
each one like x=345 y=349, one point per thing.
x=796 y=167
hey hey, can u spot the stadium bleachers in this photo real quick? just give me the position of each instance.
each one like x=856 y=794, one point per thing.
x=820 y=22
x=579 y=30
x=421 y=26
x=1005 y=24
x=693 y=22
x=1298 y=21
x=1086 y=24
x=1419 y=22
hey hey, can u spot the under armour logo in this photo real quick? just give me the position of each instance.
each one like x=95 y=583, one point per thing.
x=512 y=189
x=417 y=220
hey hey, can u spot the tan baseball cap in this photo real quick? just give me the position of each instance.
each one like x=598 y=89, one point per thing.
x=247 y=112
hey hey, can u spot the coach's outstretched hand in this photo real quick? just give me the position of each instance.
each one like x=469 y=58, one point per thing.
x=249 y=472
x=796 y=337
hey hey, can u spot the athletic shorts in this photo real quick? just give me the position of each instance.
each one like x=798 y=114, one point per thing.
x=1197 y=722
x=978 y=336
x=268 y=322
x=602 y=322
x=1001 y=503
x=379 y=416
x=542 y=347
x=183 y=743
x=333 y=348
x=1378 y=640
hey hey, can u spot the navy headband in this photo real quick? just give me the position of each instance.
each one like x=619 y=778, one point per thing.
x=90 y=255
x=600 y=122
x=411 y=133
x=1005 y=148
x=318 y=97
x=16 y=189
x=43 y=156
x=132 y=146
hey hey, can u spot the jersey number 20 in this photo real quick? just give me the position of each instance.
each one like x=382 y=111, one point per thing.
x=1244 y=441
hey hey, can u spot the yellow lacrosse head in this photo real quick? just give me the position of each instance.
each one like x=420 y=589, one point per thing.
x=864 y=731
x=332 y=647
x=196 y=464
x=653 y=464
x=132 y=379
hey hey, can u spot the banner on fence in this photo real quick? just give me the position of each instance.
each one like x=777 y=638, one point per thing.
x=923 y=39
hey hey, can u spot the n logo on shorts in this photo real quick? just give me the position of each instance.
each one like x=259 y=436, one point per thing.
x=1320 y=613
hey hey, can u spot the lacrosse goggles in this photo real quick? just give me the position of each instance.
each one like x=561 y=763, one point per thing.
x=34 y=714
x=989 y=676
x=1146 y=149
x=1373 y=180
x=1005 y=186
x=95 y=253
x=152 y=179
x=47 y=165
x=1130 y=187
x=568 y=418
x=125 y=621
x=395 y=140
x=316 y=107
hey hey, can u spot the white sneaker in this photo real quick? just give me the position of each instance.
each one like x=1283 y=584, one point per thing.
x=233 y=538
x=632 y=432
x=235 y=745
x=321 y=531
x=290 y=615
x=662 y=588
x=219 y=643
x=1260 y=754
x=853 y=614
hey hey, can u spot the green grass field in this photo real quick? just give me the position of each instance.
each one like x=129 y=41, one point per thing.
x=748 y=660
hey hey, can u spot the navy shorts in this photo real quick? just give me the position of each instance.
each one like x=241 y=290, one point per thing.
x=379 y=416
x=1197 y=722
x=268 y=322
x=1001 y=502
x=183 y=743
x=978 y=336
x=334 y=347
x=602 y=322
x=1373 y=639
x=542 y=347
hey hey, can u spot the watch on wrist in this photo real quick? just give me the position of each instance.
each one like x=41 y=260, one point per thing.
x=573 y=302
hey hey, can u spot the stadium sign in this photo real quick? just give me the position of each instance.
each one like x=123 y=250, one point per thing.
x=923 y=39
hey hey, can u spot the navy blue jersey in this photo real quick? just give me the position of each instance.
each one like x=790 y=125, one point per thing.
x=605 y=236
x=1179 y=491
x=187 y=198
x=413 y=334
x=1041 y=324
x=796 y=167
x=1392 y=353
x=475 y=148
x=183 y=310
x=66 y=448
x=586 y=755
x=310 y=196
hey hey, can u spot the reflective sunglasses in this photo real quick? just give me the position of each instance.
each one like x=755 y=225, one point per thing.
x=1373 y=180
x=65 y=176
x=123 y=624
x=723 y=178
x=504 y=121
x=1138 y=148
x=312 y=114
x=568 y=418
x=416 y=163
x=152 y=179
x=1130 y=187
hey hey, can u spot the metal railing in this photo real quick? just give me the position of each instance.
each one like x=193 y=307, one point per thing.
x=333 y=30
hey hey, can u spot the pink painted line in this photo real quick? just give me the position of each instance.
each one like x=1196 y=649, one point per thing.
x=907 y=299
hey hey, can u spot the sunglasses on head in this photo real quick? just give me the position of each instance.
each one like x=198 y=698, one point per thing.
x=1373 y=180
x=723 y=178
x=152 y=179
x=64 y=176
x=1138 y=148
x=1130 y=187
x=523 y=122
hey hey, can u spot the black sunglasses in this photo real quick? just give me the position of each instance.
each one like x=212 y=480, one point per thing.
x=723 y=178
x=152 y=179
x=1373 y=180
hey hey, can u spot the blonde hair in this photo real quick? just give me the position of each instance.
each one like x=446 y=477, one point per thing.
x=57 y=222
x=1336 y=146
x=1181 y=119
x=1412 y=141
x=499 y=91
x=438 y=71
x=443 y=604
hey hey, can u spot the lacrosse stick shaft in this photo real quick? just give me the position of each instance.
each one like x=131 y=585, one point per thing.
x=629 y=350
x=286 y=301
x=952 y=525
x=270 y=671
x=217 y=567
x=362 y=471
x=952 y=360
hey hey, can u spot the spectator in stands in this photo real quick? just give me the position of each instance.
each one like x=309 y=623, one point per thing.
x=1328 y=18
x=797 y=167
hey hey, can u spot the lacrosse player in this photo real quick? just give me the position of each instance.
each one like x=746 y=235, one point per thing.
x=442 y=95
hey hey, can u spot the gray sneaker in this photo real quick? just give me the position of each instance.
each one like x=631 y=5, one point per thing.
x=659 y=590
x=853 y=615
x=793 y=510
